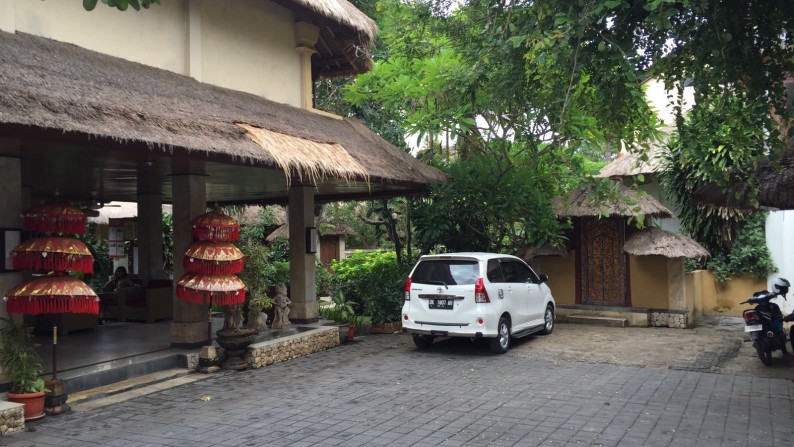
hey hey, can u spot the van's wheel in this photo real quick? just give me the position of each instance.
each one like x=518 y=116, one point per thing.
x=500 y=344
x=423 y=341
x=548 y=320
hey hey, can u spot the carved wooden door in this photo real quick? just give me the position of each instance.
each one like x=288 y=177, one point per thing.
x=603 y=266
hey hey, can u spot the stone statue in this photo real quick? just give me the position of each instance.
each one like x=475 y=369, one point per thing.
x=281 y=304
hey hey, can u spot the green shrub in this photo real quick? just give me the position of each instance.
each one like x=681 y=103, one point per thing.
x=374 y=281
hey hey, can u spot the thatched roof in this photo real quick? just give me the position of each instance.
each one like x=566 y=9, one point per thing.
x=338 y=230
x=119 y=210
x=342 y=12
x=346 y=34
x=629 y=164
x=655 y=241
x=50 y=85
x=775 y=180
x=580 y=203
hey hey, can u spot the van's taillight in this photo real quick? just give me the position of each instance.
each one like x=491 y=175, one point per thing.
x=407 y=289
x=480 y=294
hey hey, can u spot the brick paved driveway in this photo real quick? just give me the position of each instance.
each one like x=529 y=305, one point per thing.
x=379 y=390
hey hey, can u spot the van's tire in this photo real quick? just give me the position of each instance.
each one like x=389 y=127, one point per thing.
x=501 y=343
x=423 y=341
x=548 y=320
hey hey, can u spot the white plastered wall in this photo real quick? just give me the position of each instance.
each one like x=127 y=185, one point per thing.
x=244 y=45
x=780 y=241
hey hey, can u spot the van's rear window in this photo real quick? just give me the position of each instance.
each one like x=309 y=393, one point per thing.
x=447 y=271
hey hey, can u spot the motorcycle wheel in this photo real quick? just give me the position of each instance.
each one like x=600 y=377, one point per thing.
x=764 y=354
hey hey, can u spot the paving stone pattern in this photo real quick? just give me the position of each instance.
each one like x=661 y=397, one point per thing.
x=380 y=390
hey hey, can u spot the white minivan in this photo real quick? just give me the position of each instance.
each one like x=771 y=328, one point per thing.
x=478 y=295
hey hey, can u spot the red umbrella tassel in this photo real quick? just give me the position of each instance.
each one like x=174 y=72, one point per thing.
x=58 y=262
x=59 y=216
x=203 y=289
x=54 y=294
x=193 y=296
x=215 y=226
x=53 y=305
x=228 y=298
x=207 y=267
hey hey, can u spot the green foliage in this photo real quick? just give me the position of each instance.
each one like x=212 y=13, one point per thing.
x=103 y=265
x=18 y=357
x=324 y=280
x=720 y=142
x=749 y=254
x=344 y=308
x=485 y=208
x=121 y=5
x=374 y=281
x=346 y=213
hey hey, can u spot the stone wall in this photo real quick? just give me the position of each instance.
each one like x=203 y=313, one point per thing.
x=298 y=345
x=12 y=417
x=665 y=319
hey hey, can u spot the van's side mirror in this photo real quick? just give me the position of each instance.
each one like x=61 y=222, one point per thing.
x=543 y=278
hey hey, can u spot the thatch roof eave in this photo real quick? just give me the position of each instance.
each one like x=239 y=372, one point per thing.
x=48 y=84
x=655 y=241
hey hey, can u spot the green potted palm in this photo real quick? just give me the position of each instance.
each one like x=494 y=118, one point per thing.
x=22 y=365
x=346 y=314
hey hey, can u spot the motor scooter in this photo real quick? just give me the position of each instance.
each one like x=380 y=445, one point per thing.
x=764 y=323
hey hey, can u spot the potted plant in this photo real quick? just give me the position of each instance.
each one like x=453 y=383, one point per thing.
x=21 y=363
x=346 y=315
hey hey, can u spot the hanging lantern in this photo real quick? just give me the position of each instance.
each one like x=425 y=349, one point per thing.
x=215 y=226
x=59 y=216
x=53 y=253
x=213 y=258
x=224 y=290
x=54 y=294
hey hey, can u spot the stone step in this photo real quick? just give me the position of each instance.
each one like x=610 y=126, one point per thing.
x=597 y=321
x=116 y=371
x=130 y=388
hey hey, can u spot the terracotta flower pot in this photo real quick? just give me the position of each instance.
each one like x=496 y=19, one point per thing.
x=351 y=331
x=34 y=404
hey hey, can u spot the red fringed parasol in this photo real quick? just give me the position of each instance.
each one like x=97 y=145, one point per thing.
x=56 y=294
x=215 y=226
x=224 y=290
x=53 y=253
x=54 y=217
x=213 y=258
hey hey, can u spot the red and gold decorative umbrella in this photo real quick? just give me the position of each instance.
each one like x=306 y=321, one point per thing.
x=53 y=253
x=53 y=294
x=225 y=290
x=213 y=258
x=54 y=217
x=215 y=226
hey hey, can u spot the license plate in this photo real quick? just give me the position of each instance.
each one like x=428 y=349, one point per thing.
x=753 y=328
x=441 y=304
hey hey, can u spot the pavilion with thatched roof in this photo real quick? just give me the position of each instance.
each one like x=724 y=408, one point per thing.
x=191 y=104
x=613 y=269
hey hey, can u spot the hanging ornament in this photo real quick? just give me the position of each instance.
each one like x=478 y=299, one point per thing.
x=58 y=216
x=215 y=226
x=53 y=253
x=213 y=258
x=223 y=290
x=52 y=294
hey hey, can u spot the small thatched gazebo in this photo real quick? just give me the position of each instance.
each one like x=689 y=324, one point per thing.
x=615 y=270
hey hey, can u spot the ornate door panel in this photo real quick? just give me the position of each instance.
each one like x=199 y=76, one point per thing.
x=603 y=266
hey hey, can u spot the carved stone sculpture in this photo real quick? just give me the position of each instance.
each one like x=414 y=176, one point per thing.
x=281 y=308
